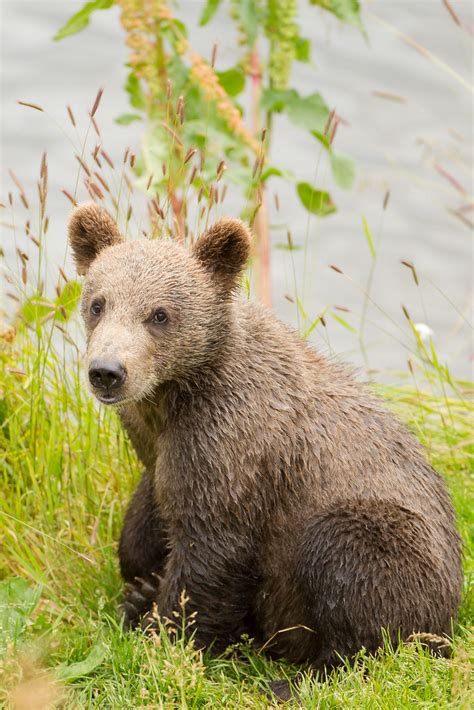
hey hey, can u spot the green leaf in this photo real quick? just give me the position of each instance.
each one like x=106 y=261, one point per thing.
x=18 y=600
x=72 y=671
x=68 y=299
x=126 y=118
x=345 y=10
x=344 y=323
x=180 y=26
x=232 y=80
x=314 y=324
x=36 y=307
x=134 y=91
x=277 y=100
x=269 y=172
x=302 y=49
x=342 y=167
x=179 y=75
x=322 y=138
x=343 y=170
x=301 y=309
x=209 y=11
x=173 y=30
x=80 y=20
x=316 y=201
x=249 y=19
x=309 y=112
x=368 y=236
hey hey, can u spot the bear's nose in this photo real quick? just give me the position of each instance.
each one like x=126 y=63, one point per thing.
x=106 y=374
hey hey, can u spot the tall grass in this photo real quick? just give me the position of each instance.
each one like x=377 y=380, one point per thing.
x=67 y=475
x=68 y=472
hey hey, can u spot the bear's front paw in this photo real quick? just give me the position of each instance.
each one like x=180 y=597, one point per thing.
x=139 y=599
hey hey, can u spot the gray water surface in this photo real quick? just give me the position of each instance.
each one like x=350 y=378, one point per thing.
x=395 y=143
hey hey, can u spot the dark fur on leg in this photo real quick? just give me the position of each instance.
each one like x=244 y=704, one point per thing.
x=143 y=546
x=143 y=550
x=368 y=566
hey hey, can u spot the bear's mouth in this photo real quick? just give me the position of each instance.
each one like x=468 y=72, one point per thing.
x=109 y=398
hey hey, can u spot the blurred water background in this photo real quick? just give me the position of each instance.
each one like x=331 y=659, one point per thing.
x=410 y=124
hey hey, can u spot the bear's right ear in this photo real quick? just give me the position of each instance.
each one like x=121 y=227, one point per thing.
x=91 y=229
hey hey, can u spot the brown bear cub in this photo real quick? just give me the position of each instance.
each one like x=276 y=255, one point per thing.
x=278 y=493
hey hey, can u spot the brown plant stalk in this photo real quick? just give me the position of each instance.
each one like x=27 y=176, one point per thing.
x=261 y=224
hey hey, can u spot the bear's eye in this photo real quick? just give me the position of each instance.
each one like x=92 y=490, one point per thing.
x=160 y=316
x=96 y=308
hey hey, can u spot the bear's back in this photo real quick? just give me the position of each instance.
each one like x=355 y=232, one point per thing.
x=309 y=413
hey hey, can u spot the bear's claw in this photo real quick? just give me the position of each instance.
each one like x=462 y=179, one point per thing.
x=137 y=605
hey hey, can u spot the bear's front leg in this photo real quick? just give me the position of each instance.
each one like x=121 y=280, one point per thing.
x=143 y=550
x=217 y=581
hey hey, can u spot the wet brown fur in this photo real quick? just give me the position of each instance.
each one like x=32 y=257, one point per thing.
x=282 y=496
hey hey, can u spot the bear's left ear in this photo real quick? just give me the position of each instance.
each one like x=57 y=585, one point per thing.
x=223 y=251
x=91 y=229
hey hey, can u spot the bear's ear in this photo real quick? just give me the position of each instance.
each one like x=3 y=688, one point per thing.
x=91 y=229
x=223 y=251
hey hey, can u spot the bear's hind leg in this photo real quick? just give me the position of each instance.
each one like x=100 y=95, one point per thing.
x=368 y=565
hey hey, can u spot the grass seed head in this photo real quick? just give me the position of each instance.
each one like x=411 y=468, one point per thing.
x=71 y=116
x=96 y=102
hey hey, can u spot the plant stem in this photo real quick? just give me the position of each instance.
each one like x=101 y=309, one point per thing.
x=177 y=203
x=263 y=253
x=261 y=224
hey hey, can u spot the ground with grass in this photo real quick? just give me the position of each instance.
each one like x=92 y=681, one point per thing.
x=67 y=474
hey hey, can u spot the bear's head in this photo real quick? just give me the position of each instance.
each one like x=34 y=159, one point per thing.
x=154 y=311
